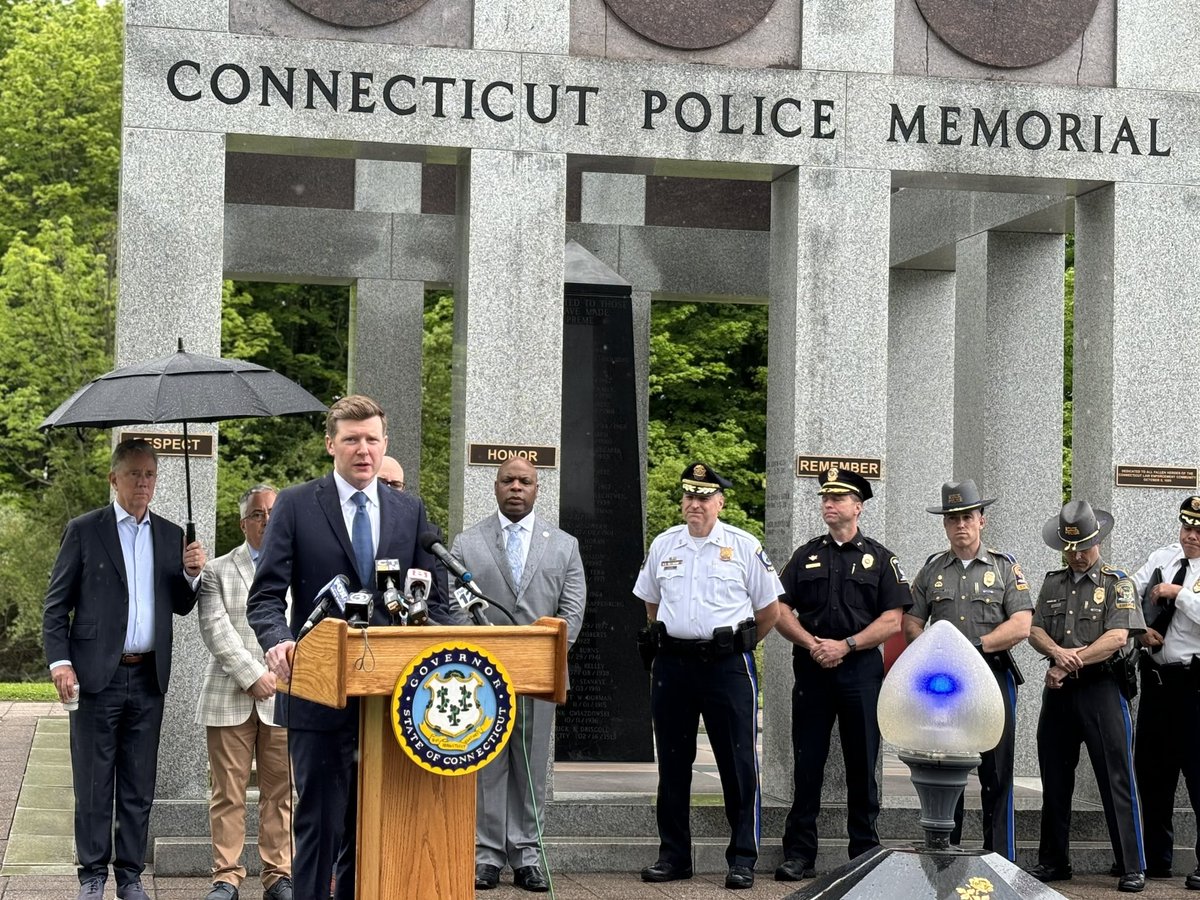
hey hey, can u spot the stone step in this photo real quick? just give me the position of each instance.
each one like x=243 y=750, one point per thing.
x=178 y=857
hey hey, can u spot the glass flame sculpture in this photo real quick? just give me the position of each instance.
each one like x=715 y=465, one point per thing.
x=941 y=706
x=941 y=698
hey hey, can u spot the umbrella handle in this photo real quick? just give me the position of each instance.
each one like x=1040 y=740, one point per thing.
x=189 y=534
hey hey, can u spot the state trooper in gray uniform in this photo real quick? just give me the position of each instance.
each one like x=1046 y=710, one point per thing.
x=1085 y=615
x=984 y=594
x=711 y=595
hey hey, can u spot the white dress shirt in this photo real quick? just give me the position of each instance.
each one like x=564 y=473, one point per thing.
x=1181 y=643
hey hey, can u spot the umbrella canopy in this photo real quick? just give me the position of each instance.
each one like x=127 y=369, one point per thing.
x=182 y=387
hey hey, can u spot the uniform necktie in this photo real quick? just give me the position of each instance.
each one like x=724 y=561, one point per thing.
x=360 y=537
x=513 y=551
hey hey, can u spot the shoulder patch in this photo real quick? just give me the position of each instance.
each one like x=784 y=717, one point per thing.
x=1018 y=576
x=1126 y=594
x=901 y=578
x=1113 y=570
x=762 y=558
x=1002 y=554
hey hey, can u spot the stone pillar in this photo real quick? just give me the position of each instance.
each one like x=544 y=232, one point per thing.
x=508 y=320
x=827 y=385
x=387 y=321
x=1008 y=411
x=920 y=410
x=169 y=276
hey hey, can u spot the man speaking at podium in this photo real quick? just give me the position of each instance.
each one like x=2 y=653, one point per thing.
x=532 y=569
x=338 y=524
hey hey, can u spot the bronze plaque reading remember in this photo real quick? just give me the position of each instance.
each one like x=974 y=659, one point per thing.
x=172 y=444
x=495 y=454
x=811 y=466
x=1157 y=476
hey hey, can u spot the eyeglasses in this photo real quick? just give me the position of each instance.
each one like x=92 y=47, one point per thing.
x=259 y=515
x=392 y=483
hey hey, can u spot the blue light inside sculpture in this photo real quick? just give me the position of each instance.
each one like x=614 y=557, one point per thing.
x=940 y=697
x=941 y=684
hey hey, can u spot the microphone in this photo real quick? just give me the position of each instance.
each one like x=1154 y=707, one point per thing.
x=474 y=605
x=387 y=576
x=416 y=587
x=359 y=606
x=335 y=593
x=431 y=544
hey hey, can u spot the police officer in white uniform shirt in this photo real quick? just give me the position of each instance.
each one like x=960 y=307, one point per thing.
x=711 y=595
x=1168 y=723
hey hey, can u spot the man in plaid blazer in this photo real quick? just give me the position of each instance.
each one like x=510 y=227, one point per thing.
x=237 y=703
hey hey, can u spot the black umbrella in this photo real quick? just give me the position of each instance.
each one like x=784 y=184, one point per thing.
x=183 y=387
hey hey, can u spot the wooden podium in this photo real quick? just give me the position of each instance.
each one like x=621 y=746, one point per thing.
x=416 y=829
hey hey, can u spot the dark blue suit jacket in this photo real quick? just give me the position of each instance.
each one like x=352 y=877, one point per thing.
x=305 y=546
x=89 y=580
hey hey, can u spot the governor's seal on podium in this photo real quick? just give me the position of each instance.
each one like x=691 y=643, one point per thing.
x=452 y=708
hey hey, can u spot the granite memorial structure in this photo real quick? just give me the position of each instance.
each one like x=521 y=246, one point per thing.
x=893 y=179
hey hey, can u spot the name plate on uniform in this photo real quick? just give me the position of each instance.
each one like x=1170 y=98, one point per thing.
x=812 y=466
x=498 y=454
x=171 y=444
x=1157 y=476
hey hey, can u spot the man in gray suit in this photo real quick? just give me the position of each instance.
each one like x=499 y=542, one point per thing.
x=532 y=569
x=237 y=708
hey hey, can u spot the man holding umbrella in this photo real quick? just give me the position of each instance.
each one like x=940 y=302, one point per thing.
x=120 y=575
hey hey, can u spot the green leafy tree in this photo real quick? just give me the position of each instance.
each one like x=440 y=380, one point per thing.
x=437 y=344
x=60 y=116
x=708 y=376
x=300 y=331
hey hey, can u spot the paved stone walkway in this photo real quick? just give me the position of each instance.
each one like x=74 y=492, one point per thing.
x=36 y=846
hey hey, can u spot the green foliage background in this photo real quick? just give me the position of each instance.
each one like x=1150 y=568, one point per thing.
x=60 y=113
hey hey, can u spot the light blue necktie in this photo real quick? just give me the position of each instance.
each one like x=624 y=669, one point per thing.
x=360 y=537
x=513 y=551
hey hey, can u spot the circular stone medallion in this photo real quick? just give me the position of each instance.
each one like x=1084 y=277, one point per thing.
x=1008 y=33
x=691 y=24
x=358 y=13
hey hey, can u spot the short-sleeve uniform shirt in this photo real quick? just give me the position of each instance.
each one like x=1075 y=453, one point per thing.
x=1075 y=613
x=838 y=590
x=975 y=598
x=701 y=584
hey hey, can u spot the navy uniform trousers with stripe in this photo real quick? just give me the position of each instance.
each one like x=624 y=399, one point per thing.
x=724 y=691
x=996 y=782
x=1090 y=711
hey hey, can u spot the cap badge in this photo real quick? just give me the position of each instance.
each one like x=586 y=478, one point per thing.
x=1196 y=503
x=698 y=471
x=955 y=498
x=833 y=474
x=1071 y=530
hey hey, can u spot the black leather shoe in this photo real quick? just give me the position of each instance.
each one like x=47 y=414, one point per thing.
x=1132 y=883
x=531 y=878
x=794 y=870
x=1045 y=873
x=665 y=871
x=280 y=890
x=486 y=877
x=739 y=877
x=222 y=890
x=92 y=889
x=1193 y=880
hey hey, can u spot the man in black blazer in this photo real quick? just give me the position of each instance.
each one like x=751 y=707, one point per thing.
x=315 y=534
x=121 y=573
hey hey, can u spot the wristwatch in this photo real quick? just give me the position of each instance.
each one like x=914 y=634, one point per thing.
x=851 y=643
